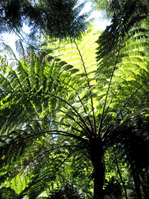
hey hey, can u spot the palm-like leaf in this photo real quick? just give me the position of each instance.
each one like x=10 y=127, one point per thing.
x=70 y=99
x=127 y=14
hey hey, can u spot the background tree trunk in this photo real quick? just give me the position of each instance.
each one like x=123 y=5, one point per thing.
x=119 y=172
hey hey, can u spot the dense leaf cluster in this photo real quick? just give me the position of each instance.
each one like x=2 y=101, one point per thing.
x=74 y=119
x=57 y=18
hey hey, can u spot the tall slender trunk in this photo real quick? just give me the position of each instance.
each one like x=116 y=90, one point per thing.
x=98 y=165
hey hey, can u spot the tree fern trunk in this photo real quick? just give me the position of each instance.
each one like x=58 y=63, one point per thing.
x=99 y=169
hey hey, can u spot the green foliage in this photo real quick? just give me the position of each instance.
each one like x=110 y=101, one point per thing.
x=57 y=18
x=54 y=105
x=66 y=192
x=7 y=193
x=123 y=8
x=128 y=14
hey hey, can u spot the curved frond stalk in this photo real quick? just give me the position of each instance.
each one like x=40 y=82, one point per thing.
x=78 y=95
x=130 y=77
x=85 y=131
x=75 y=111
x=107 y=93
x=89 y=87
x=85 y=64
x=59 y=123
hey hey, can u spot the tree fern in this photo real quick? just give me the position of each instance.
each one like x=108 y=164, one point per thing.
x=67 y=108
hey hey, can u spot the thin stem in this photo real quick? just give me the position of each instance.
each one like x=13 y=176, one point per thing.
x=102 y=116
x=72 y=108
x=132 y=95
x=66 y=102
x=56 y=132
x=83 y=63
x=67 y=125
x=84 y=130
x=108 y=134
x=119 y=172
x=81 y=104
x=129 y=98
x=125 y=105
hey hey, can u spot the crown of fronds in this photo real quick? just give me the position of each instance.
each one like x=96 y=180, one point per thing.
x=51 y=102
